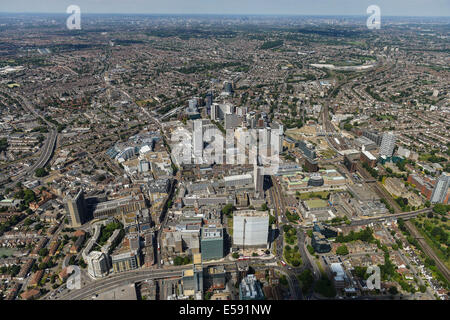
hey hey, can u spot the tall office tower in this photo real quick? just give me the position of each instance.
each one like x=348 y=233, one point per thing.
x=280 y=134
x=228 y=87
x=241 y=111
x=440 y=191
x=387 y=144
x=208 y=102
x=258 y=175
x=76 y=209
x=215 y=112
x=277 y=129
x=264 y=136
x=258 y=178
x=193 y=103
x=250 y=229
x=232 y=121
x=198 y=140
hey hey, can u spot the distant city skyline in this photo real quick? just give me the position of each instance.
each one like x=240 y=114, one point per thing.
x=436 y=8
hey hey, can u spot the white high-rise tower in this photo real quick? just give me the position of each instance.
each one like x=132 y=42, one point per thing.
x=387 y=144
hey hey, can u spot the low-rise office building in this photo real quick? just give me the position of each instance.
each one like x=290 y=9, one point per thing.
x=250 y=289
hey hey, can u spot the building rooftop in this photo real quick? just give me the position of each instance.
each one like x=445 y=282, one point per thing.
x=369 y=155
x=238 y=177
x=250 y=213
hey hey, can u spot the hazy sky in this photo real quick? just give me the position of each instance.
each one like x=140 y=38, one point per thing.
x=296 y=7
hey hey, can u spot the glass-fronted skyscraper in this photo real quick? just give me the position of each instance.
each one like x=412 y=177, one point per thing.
x=211 y=243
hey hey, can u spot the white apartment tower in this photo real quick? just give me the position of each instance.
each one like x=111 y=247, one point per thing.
x=387 y=144
x=250 y=229
x=97 y=264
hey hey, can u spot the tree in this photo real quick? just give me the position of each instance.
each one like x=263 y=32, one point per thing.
x=227 y=209
x=283 y=280
x=342 y=250
x=208 y=295
x=3 y=144
x=440 y=208
x=42 y=266
x=43 y=252
x=361 y=272
x=41 y=172
x=325 y=287
x=393 y=290
x=28 y=221
x=178 y=261
x=306 y=279
x=272 y=219
x=235 y=255
x=28 y=196
x=348 y=126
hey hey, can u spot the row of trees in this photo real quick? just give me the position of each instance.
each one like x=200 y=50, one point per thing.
x=306 y=280
x=6 y=226
x=292 y=217
x=365 y=235
x=179 y=261
x=11 y=270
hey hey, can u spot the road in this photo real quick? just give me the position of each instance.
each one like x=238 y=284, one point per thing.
x=116 y=280
x=163 y=223
x=47 y=148
x=44 y=157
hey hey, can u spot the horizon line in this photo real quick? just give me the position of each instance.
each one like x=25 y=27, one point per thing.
x=227 y=14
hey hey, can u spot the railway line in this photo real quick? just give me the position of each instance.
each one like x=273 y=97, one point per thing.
x=428 y=250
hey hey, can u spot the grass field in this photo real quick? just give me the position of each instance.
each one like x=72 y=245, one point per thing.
x=311 y=195
x=230 y=226
x=327 y=153
x=316 y=203
x=6 y=251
